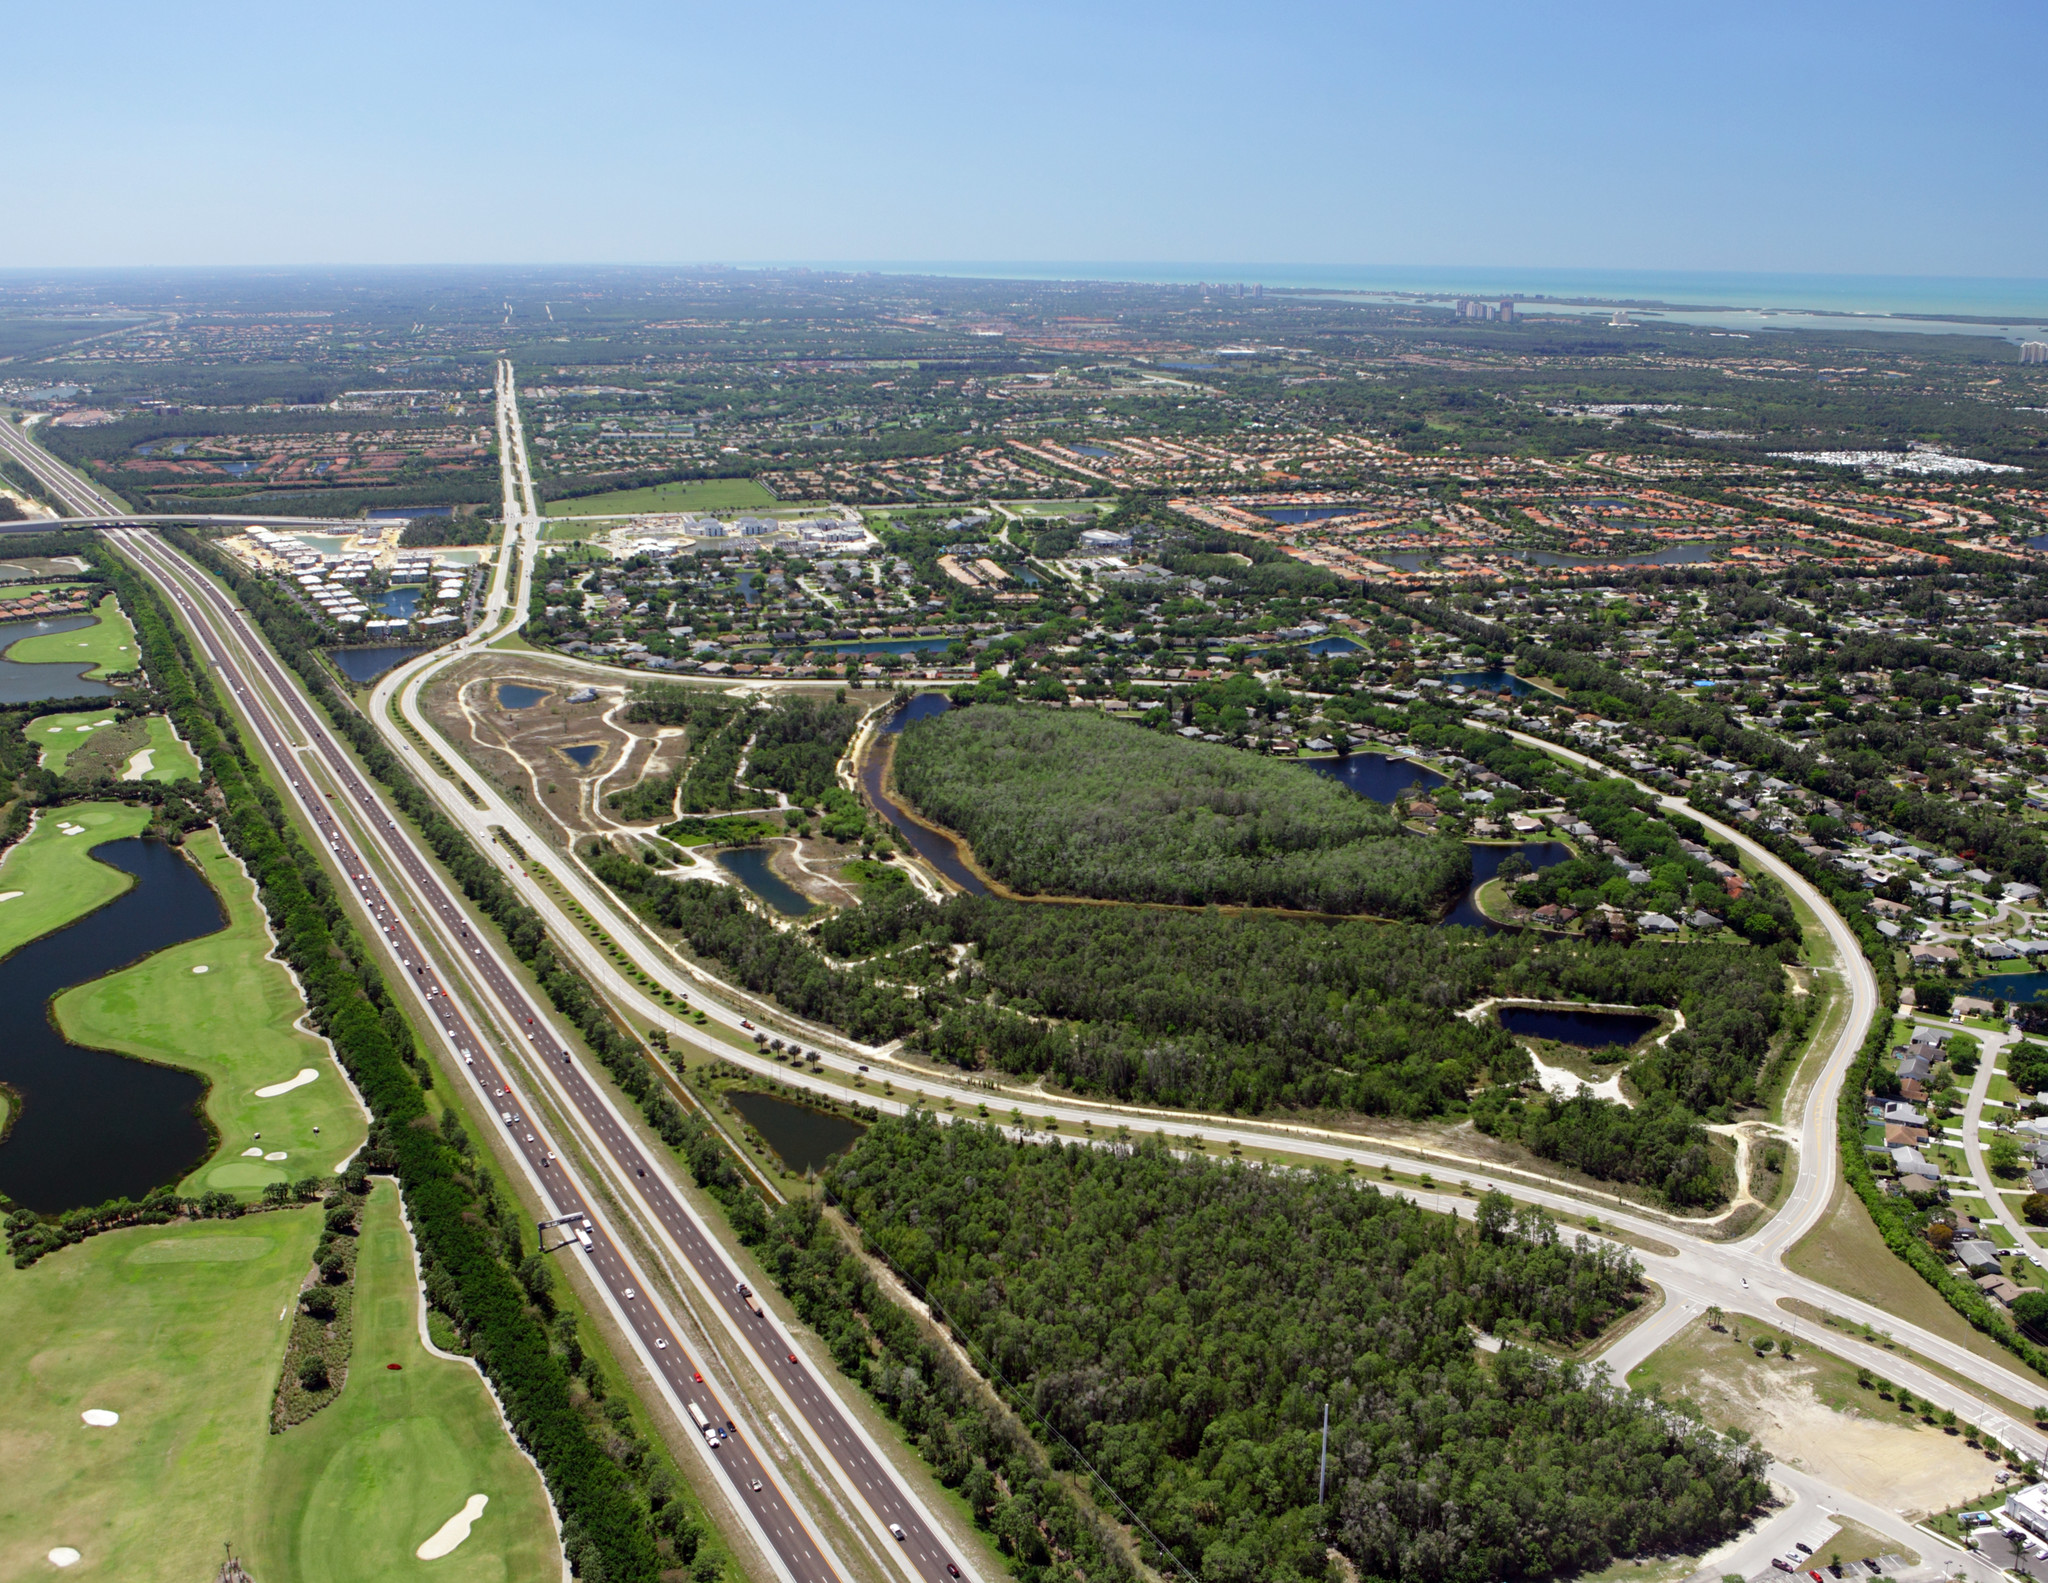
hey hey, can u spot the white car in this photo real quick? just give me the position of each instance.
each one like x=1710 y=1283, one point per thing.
x=660 y=1342
x=897 y=1530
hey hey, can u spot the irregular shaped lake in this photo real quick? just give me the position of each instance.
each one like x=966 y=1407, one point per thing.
x=95 y=1125
x=749 y=865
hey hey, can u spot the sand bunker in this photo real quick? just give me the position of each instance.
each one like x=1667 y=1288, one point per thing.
x=306 y=1075
x=454 y=1530
x=1556 y=1080
x=252 y=1154
x=277 y=1154
x=140 y=765
x=202 y=968
x=71 y=829
x=64 y=1556
x=9 y=895
x=100 y=1418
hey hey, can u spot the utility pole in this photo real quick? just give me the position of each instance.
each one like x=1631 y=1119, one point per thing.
x=1323 y=1472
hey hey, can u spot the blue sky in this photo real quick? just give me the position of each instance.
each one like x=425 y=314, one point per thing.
x=1869 y=138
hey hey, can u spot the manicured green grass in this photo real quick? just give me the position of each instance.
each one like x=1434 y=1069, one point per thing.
x=109 y=644
x=175 y=1328
x=353 y=1492
x=233 y=1024
x=170 y=759
x=705 y=494
x=57 y=881
x=60 y=735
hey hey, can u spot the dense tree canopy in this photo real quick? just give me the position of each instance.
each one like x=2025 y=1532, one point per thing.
x=1074 y=804
x=1183 y=1324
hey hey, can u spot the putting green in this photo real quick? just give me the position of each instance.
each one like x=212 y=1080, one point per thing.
x=176 y=1329
x=109 y=644
x=349 y=1495
x=233 y=1025
x=60 y=735
x=57 y=880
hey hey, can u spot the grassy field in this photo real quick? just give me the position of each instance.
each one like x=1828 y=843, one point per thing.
x=170 y=759
x=1845 y=1252
x=233 y=1025
x=353 y=1492
x=177 y=1330
x=91 y=741
x=704 y=494
x=56 y=879
x=59 y=736
x=110 y=644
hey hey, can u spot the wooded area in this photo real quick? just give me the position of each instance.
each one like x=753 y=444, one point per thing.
x=1183 y=1323
x=1059 y=803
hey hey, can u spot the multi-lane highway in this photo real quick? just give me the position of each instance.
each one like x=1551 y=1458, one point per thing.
x=426 y=931
x=1744 y=1275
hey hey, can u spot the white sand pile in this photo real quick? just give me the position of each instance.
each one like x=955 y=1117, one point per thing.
x=67 y=828
x=306 y=1075
x=9 y=895
x=1563 y=1083
x=454 y=1530
x=64 y=1556
x=252 y=1154
x=100 y=1418
x=277 y=1154
x=140 y=765
x=202 y=968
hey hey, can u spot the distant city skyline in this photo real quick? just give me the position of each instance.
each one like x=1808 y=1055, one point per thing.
x=1825 y=139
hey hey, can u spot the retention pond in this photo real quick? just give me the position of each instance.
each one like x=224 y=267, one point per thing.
x=95 y=1125
x=802 y=1138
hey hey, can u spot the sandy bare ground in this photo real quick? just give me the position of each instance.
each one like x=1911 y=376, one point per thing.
x=1918 y=1470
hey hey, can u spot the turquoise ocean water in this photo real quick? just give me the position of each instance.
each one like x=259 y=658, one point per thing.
x=1744 y=301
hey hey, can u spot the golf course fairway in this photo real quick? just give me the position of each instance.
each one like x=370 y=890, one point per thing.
x=109 y=644
x=177 y=1330
x=351 y=1494
x=234 y=1024
x=57 y=880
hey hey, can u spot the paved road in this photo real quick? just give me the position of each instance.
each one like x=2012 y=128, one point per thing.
x=353 y=821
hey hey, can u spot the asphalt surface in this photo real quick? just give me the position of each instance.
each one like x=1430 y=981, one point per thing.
x=233 y=648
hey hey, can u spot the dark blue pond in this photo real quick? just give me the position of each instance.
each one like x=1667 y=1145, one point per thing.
x=1306 y=513
x=31 y=684
x=511 y=695
x=1333 y=646
x=1376 y=775
x=400 y=601
x=921 y=707
x=887 y=646
x=1592 y=1030
x=2022 y=988
x=1670 y=555
x=1492 y=681
x=749 y=865
x=366 y=665
x=1486 y=862
x=94 y=1125
x=941 y=851
x=583 y=754
x=1088 y=450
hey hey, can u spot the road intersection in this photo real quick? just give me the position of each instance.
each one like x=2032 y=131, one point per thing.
x=1745 y=1274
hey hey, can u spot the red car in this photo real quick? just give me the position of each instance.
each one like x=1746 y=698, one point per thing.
x=792 y=1357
